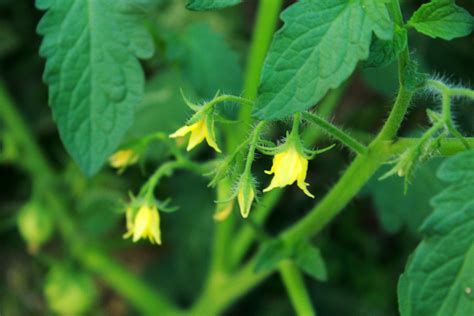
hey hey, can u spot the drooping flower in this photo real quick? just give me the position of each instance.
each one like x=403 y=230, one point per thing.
x=144 y=223
x=200 y=130
x=289 y=165
x=123 y=158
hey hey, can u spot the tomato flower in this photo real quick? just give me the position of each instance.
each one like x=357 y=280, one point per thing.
x=144 y=224
x=200 y=130
x=289 y=165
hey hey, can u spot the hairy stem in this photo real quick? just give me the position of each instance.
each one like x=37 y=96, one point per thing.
x=337 y=133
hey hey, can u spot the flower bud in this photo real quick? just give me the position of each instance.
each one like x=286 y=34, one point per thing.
x=69 y=292
x=35 y=225
x=245 y=195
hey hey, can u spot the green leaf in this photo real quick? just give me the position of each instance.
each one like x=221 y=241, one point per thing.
x=305 y=256
x=396 y=210
x=443 y=19
x=384 y=53
x=308 y=258
x=209 y=63
x=270 y=254
x=317 y=49
x=95 y=80
x=201 y=5
x=439 y=277
x=376 y=11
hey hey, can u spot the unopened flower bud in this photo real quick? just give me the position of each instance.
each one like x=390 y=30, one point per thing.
x=35 y=225
x=245 y=195
x=69 y=292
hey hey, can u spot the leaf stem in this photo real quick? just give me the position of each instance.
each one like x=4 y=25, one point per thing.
x=296 y=288
x=335 y=132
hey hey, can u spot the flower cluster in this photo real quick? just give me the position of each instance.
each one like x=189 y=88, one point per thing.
x=290 y=165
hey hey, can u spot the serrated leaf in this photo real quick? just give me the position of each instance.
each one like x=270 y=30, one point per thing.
x=443 y=19
x=308 y=258
x=377 y=12
x=202 y=5
x=94 y=77
x=439 y=277
x=316 y=50
x=383 y=53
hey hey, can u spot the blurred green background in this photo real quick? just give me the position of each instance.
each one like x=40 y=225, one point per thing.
x=365 y=249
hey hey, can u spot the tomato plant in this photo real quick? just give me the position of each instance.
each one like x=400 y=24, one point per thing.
x=188 y=182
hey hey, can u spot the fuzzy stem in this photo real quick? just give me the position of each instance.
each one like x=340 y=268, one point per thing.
x=337 y=133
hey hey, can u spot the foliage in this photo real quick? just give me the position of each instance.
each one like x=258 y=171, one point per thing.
x=220 y=176
x=92 y=70
x=438 y=278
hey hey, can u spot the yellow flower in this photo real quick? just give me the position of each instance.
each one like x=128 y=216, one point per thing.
x=289 y=166
x=144 y=224
x=123 y=158
x=199 y=131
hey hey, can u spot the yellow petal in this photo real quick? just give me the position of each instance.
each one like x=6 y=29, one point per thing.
x=181 y=131
x=197 y=135
x=210 y=137
x=141 y=223
x=155 y=229
x=211 y=142
x=289 y=166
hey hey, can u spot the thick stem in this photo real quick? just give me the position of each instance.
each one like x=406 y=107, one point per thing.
x=225 y=291
x=294 y=283
x=265 y=25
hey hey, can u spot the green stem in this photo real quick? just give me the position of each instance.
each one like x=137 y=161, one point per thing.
x=228 y=98
x=222 y=235
x=253 y=145
x=265 y=25
x=11 y=117
x=335 y=132
x=263 y=31
x=447 y=113
x=132 y=288
x=296 y=288
x=246 y=236
x=224 y=291
x=462 y=92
